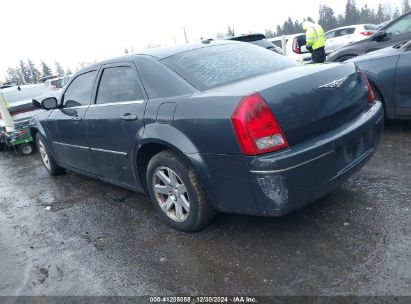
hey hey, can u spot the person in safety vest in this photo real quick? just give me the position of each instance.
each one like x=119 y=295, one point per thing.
x=315 y=41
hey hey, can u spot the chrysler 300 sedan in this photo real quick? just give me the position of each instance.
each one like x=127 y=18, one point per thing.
x=220 y=126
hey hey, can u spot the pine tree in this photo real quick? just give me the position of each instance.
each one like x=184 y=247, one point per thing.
x=46 y=71
x=230 y=31
x=269 y=34
x=396 y=13
x=35 y=73
x=366 y=15
x=14 y=75
x=405 y=6
x=327 y=18
x=59 y=69
x=68 y=71
x=380 y=17
x=25 y=72
x=352 y=15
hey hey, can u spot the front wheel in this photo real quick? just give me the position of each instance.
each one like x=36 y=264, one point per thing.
x=48 y=160
x=175 y=190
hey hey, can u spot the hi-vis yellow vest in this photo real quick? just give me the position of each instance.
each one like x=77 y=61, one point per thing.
x=315 y=37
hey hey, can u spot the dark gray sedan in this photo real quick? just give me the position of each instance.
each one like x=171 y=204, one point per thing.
x=223 y=126
x=394 y=32
x=389 y=71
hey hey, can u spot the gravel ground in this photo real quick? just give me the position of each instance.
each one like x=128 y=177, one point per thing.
x=73 y=235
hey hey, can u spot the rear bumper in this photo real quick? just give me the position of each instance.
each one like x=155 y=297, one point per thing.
x=278 y=183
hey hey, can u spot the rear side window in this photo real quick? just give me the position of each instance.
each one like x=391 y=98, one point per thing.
x=346 y=31
x=221 y=64
x=79 y=91
x=119 y=84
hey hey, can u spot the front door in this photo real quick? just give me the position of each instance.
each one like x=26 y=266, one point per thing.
x=65 y=127
x=398 y=32
x=115 y=121
x=402 y=84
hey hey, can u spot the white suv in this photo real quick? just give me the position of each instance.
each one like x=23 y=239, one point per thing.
x=342 y=36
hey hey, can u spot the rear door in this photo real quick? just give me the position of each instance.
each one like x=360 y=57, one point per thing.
x=115 y=121
x=66 y=129
x=343 y=37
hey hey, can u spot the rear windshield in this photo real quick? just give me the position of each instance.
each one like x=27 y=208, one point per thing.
x=221 y=64
x=370 y=27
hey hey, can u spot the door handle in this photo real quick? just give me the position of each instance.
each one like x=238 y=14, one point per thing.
x=76 y=118
x=129 y=117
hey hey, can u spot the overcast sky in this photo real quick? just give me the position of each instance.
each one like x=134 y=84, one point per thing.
x=73 y=31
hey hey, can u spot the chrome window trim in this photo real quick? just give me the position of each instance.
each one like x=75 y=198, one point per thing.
x=76 y=107
x=116 y=103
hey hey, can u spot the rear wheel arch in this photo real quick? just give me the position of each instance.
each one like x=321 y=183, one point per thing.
x=149 y=149
x=378 y=92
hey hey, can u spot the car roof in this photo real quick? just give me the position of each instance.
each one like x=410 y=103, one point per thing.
x=161 y=52
x=247 y=37
x=290 y=36
x=347 y=26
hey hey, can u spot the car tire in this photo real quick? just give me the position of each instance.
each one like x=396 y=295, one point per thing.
x=47 y=158
x=26 y=149
x=344 y=58
x=176 y=192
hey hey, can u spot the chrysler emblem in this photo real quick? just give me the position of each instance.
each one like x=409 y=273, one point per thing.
x=336 y=84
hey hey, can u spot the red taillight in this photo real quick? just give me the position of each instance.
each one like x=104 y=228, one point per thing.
x=371 y=97
x=256 y=127
x=367 y=33
x=296 y=46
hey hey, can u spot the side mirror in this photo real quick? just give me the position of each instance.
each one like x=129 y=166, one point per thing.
x=378 y=36
x=49 y=103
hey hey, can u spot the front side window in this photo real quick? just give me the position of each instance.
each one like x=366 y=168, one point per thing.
x=400 y=27
x=79 y=91
x=330 y=35
x=346 y=31
x=119 y=84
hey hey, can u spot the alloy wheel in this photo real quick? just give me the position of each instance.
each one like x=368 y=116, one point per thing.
x=171 y=194
x=44 y=155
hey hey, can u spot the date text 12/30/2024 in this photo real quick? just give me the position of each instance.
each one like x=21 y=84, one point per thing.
x=203 y=299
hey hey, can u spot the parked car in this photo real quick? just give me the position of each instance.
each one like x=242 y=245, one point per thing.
x=389 y=72
x=295 y=47
x=342 y=36
x=20 y=105
x=221 y=126
x=20 y=101
x=257 y=39
x=8 y=84
x=58 y=83
x=396 y=31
